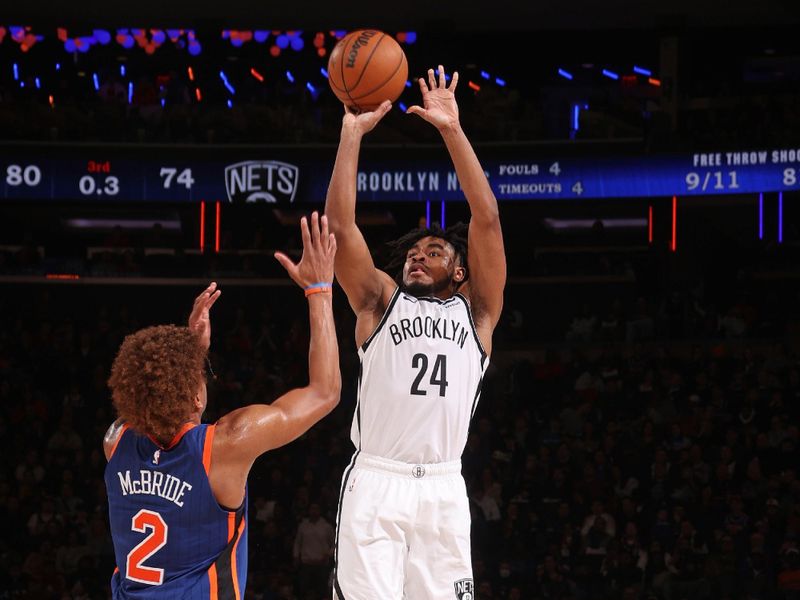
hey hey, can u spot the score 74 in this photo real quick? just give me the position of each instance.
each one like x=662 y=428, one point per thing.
x=184 y=178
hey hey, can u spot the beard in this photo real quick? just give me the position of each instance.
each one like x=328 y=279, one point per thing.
x=418 y=289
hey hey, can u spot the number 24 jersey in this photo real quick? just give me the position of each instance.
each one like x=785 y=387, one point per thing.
x=420 y=380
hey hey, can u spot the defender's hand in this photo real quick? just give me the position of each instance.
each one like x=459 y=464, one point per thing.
x=319 y=250
x=200 y=318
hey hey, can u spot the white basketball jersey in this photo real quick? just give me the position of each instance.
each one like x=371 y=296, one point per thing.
x=420 y=379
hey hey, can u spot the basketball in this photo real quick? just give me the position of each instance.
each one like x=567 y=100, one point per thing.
x=367 y=67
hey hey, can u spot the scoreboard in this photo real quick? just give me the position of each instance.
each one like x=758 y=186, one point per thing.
x=291 y=175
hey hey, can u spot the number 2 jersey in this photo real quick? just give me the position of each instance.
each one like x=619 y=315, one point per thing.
x=420 y=380
x=171 y=537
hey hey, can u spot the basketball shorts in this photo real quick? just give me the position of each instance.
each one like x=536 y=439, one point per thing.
x=403 y=532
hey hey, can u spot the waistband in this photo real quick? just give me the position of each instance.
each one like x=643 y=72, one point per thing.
x=410 y=470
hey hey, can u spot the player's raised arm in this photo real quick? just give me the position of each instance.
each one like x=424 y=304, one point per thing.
x=487 y=260
x=242 y=435
x=362 y=282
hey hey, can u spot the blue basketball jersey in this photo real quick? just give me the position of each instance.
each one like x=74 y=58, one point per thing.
x=171 y=537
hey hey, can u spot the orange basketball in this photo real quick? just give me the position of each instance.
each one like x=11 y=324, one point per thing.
x=367 y=67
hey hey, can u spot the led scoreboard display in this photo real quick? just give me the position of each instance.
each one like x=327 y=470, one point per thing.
x=285 y=176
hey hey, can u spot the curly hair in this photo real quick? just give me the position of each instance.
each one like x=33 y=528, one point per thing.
x=455 y=235
x=155 y=376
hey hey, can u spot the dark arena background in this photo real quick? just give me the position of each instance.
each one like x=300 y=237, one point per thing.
x=637 y=435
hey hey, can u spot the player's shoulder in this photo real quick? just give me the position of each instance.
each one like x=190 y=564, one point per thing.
x=112 y=436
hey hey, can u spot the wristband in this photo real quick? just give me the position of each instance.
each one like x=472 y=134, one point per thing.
x=317 y=288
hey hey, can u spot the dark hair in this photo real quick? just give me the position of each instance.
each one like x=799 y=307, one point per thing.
x=455 y=235
x=154 y=378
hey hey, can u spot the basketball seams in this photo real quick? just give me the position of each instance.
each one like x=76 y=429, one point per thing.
x=383 y=83
x=364 y=68
x=344 y=83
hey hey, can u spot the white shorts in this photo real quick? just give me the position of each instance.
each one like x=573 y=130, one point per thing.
x=403 y=532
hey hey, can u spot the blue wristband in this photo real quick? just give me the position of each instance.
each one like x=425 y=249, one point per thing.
x=323 y=284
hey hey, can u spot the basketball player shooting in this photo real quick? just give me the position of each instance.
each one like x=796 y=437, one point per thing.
x=177 y=494
x=424 y=342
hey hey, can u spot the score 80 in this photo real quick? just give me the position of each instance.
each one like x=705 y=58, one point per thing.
x=29 y=175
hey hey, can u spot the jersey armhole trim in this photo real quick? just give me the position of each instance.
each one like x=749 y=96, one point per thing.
x=207 y=446
x=125 y=428
x=385 y=316
x=484 y=356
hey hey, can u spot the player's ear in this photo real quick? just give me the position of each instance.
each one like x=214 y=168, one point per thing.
x=459 y=274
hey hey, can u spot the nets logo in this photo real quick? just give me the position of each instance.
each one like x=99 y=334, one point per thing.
x=465 y=589
x=269 y=181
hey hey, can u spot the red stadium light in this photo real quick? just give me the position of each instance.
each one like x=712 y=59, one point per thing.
x=191 y=73
x=673 y=245
x=650 y=224
x=202 y=226
x=655 y=82
x=257 y=75
x=216 y=228
x=474 y=86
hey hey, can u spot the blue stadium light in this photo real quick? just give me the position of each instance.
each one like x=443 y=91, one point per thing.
x=96 y=82
x=226 y=82
x=163 y=102
x=70 y=46
x=576 y=113
x=297 y=43
x=16 y=72
x=38 y=83
x=402 y=106
x=122 y=70
x=282 y=41
x=408 y=84
x=642 y=71
x=289 y=76
x=780 y=217
x=411 y=37
x=260 y=36
x=610 y=74
x=761 y=216
x=500 y=82
x=130 y=92
x=310 y=87
x=340 y=33
x=565 y=74
x=195 y=48
x=485 y=75
x=230 y=103
x=58 y=66
x=324 y=72
x=102 y=36
x=22 y=84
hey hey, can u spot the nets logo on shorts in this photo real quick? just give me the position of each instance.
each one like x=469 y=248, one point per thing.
x=269 y=181
x=465 y=589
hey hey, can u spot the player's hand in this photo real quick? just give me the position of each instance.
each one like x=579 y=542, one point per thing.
x=364 y=122
x=439 y=106
x=319 y=250
x=200 y=318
